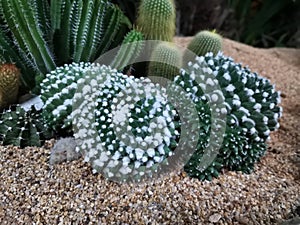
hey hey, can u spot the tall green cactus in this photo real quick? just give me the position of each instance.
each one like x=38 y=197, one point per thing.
x=156 y=19
x=165 y=61
x=47 y=34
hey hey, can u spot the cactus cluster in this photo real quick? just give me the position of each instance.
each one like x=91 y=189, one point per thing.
x=252 y=112
x=22 y=127
x=125 y=125
x=41 y=35
x=9 y=84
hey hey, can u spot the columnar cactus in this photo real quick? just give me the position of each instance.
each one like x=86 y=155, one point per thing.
x=156 y=19
x=47 y=34
x=22 y=127
x=129 y=50
x=165 y=61
x=9 y=84
x=125 y=129
x=57 y=91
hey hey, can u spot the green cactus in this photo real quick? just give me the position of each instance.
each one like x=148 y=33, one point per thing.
x=9 y=84
x=204 y=42
x=57 y=92
x=156 y=19
x=129 y=50
x=252 y=112
x=136 y=147
x=22 y=127
x=47 y=34
x=165 y=61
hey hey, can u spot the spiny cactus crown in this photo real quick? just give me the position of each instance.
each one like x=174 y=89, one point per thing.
x=133 y=129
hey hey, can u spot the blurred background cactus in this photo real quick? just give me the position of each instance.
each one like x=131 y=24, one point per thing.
x=9 y=84
x=157 y=19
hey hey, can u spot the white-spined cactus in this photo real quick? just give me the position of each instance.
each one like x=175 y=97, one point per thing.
x=125 y=125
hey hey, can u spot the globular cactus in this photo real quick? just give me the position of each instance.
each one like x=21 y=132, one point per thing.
x=20 y=127
x=9 y=84
x=156 y=19
x=129 y=50
x=251 y=104
x=57 y=92
x=126 y=128
x=203 y=42
x=165 y=61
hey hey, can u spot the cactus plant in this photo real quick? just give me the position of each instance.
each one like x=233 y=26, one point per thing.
x=57 y=91
x=165 y=61
x=129 y=50
x=9 y=84
x=47 y=34
x=156 y=19
x=204 y=42
x=252 y=112
x=126 y=128
x=22 y=127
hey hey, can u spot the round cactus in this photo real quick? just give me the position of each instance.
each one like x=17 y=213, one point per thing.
x=204 y=42
x=252 y=112
x=22 y=127
x=57 y=91
x=131 y=125
x=165 y=61
x=9 y=84
x=156 y=19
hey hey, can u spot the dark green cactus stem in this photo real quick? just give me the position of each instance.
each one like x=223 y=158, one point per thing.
x=165 y=61
x=156 y=19
x=129 y=50
x=20 y=127
x=115 y=23
x=19 y=15
x=204 y=42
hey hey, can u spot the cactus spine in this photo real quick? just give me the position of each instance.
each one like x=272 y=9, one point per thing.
x=9 y=84
x=156 y=19
x=165 y=61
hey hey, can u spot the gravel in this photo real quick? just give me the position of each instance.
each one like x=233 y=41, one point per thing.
x=34 y=192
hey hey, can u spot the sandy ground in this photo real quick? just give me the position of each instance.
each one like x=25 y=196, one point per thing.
x=32 y=192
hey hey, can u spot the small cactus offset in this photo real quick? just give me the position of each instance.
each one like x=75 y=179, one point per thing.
x=204 y=42
x=9 y=84
x=129 y=50
x=20 y=127
x=57 y=91
x=165 y=61
x=156 y=19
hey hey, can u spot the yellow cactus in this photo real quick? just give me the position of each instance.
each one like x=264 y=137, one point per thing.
x=9 y=84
